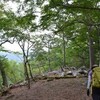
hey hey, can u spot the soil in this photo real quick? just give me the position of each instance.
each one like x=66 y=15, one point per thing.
x=57 y=89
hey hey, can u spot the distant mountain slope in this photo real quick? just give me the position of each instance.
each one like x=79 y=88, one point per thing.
x=12 y=56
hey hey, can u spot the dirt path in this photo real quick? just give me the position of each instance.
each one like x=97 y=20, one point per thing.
x=61 y=89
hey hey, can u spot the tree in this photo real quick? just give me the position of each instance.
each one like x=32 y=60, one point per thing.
x=3 y=65
x=74 y=18
x=6 y=25
x=17 y=30
x=14 y=71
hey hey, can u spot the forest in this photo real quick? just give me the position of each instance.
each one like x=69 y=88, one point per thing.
x=52 y=35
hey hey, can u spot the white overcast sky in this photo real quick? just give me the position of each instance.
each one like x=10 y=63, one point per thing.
x=12 y=47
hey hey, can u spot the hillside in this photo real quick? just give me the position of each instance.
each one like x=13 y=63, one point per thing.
x=12 y=56
x=59 y=89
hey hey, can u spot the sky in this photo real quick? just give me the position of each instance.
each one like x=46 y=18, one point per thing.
x=12 y=56
x=12 y=47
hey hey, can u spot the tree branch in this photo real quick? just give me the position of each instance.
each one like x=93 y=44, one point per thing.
x=78 y=7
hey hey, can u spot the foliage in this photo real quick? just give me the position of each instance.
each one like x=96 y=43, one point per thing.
x=73 y=19
x=13 y=70
x=71 y=24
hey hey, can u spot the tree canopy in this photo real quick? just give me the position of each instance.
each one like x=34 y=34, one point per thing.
x=69 y=34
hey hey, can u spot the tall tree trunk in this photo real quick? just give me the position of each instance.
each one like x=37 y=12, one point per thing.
x=49 y=65
x=64 y=52
x=91 y=49
x=99 y=49
x=99 y=44
x=4 y=77
x=30 y=71
x=91 y=52
x=49 y=60
x=26 y=71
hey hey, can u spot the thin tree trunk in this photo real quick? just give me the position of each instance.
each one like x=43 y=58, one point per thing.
x=99 y=44
x=26 y=72
x=91 y=49
x=64 y=52
x=91 y=52
x=49 y=60
x=30 y=71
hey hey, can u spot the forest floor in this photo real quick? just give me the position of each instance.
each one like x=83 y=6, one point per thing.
x=58 y=89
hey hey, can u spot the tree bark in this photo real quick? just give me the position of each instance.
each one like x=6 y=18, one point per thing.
x=4 y=78
x=26 y=71
x=49 y=60
x=91 y=49
x=30 y=71
x=64 y=52
x=91 y=52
